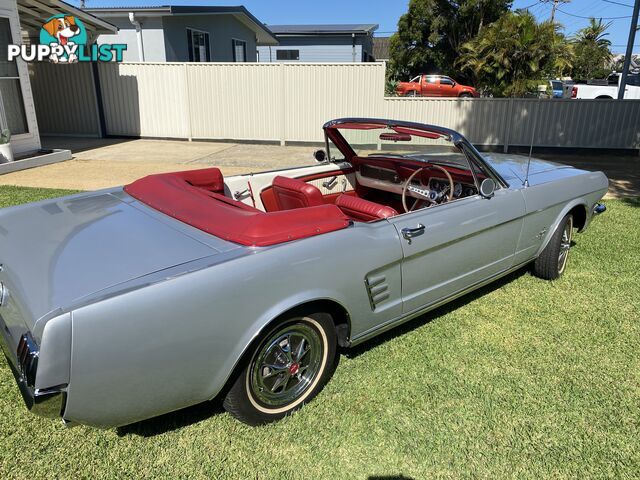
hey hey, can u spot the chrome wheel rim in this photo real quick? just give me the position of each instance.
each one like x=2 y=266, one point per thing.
x=286 y=365
x=565 y=245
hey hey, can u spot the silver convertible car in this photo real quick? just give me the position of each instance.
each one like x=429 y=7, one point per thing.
x=131 y=302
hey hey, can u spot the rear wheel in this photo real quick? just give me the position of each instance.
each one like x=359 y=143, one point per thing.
x=288 y=366
x=552 y=262
x=412 y=93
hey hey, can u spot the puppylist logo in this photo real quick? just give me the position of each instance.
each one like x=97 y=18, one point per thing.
x=63 y=39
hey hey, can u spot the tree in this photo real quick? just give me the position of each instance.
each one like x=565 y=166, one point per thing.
x=592 y=51
x=514 y=54
x=430 y=35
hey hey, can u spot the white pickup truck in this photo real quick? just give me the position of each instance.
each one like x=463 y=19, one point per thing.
x=607 y=89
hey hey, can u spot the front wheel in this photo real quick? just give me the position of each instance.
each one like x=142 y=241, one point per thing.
x=466 y=95
x=288 y=366
x=552 y=262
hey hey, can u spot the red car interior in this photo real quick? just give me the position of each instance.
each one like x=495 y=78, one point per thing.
x=291 y=193
x=204 y=207
x=363 y=210
x=294 y=209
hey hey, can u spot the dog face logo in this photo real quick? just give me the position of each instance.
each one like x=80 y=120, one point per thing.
x=62 y=28
x=65 y=31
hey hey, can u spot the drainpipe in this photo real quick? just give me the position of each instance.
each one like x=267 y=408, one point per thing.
x=353 y=47
x=138 y=26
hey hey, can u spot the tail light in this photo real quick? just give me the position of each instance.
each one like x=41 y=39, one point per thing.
x=574 y=92
x=28 y=358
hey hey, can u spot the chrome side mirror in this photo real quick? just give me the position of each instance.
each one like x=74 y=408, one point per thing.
x=487 y=188
x=320 y=156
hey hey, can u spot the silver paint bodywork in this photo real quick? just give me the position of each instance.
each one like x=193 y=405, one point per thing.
x=137 y=314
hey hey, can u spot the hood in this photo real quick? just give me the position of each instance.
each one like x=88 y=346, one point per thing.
x=513 y=168
x=58 y=251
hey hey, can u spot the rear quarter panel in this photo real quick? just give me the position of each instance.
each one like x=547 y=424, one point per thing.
x=175 y=343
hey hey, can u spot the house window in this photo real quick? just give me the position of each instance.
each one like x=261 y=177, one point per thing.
x=198 y=43
x=12 y=113
x=288 y=54
x=239 y=50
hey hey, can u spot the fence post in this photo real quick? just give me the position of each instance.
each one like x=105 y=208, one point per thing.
x=507 y=133
x=283 y=107
x=188 y=102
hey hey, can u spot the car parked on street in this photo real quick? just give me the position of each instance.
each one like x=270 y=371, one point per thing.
x=434 y=86
x=607 y=89
x=131 y=302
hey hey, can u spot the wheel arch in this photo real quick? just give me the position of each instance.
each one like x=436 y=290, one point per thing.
x=578 y=208
x=341 y=320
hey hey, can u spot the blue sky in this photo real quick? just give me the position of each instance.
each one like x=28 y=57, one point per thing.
x=386 y=12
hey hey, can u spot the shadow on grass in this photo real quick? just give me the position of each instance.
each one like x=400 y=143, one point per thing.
x=172 y=421
x=434 y=314
x=197 y=413
x=631 y=201
x=389 y=477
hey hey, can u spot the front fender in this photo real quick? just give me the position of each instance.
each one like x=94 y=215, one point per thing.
x=554 y=226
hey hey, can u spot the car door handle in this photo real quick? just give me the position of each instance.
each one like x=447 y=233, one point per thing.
x=409 y=233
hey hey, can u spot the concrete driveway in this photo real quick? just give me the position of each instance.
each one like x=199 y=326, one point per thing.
x=100 y=163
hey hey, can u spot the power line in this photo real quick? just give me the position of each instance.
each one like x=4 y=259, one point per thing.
x=618 y=3
x=602 y=18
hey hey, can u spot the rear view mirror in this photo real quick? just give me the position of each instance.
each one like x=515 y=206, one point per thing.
x=396 y=137
x=320 y=156
x=487 y=188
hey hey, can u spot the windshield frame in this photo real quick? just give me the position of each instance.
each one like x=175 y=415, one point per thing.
x=333 y=135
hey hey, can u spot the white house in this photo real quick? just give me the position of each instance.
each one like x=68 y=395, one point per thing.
x=20 y=22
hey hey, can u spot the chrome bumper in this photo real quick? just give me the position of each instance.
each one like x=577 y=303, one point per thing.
x=599 y=208
x=43 y=402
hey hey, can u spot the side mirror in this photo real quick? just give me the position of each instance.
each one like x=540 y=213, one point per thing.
x=320 y=156
x=487 y=188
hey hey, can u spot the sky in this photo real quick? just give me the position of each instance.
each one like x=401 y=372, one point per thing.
x=572 y=15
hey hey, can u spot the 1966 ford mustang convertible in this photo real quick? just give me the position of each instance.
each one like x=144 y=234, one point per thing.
x=127 y=303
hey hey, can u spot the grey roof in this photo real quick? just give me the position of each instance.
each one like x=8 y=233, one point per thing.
x=265 y=36
x=326 y=29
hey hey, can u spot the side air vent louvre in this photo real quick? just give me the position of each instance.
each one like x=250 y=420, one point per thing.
x=377 y=289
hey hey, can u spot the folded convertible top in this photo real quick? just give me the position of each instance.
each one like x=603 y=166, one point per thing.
x=197 y=198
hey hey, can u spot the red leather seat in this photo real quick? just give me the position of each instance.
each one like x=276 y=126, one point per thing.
x=290 y=193
x=363 y=210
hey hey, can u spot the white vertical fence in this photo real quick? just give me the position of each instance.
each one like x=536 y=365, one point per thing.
x=289 y=102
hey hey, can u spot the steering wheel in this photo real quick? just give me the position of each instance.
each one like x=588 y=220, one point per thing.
x=423 y=191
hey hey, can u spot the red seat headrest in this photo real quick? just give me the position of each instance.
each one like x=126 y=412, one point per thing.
x=363 y=210
x=290 y=193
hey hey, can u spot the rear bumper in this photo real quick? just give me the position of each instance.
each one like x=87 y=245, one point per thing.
x=46 y=403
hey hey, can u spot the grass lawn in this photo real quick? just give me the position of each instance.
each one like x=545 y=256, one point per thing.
x=523 y=379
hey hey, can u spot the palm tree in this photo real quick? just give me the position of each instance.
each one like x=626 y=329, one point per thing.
x=592 y=49
x=512 y=55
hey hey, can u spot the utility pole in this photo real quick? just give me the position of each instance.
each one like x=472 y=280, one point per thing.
x=627 y=57
x=554 y=7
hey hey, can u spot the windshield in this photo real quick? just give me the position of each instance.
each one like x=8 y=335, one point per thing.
x=397 y=141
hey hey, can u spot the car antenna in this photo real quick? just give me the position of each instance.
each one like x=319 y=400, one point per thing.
x=533 y=133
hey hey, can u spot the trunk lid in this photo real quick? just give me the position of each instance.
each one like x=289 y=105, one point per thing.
x=57 y=251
